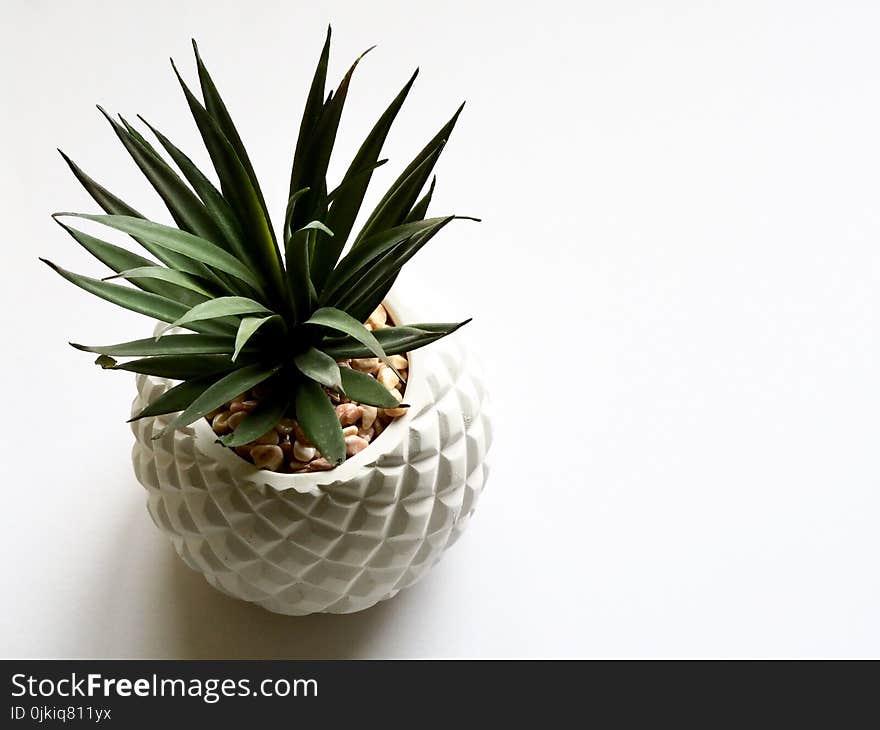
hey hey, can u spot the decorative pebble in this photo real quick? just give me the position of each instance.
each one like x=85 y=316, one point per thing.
x=398 y=361
x=394 y=412
x=387 y=377
x=366 y=364
x=320 y=465
x=378 y=318
x=369 y=415
x=354 y=444
x=267 y=457
x=220 y=423
x=303 y=453
x=349 y=413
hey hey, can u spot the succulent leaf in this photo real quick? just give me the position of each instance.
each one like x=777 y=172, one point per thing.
x=168 y=345
x=175 y=399
x=347 y=199
x=115 y=206
x=365 y=389
x=258 y=422
x=247 y=328
x=178 y=367
x=217 y=109
x=215 y=309
x=394 y=340
x=220 y=392
x=319 y=367
x=262 y=253
x=438 y=140
x=204 y=188
x=142 y=302
x=179 y=278
x=317 y=417
x=195 y=248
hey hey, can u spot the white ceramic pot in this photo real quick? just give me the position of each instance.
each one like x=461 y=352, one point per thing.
x=336 y=541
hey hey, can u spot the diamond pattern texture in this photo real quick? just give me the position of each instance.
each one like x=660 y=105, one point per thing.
x=337 y=541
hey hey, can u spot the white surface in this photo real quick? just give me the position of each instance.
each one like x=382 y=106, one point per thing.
x=675 y=295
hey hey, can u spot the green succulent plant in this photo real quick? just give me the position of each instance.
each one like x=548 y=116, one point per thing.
x=262 y=309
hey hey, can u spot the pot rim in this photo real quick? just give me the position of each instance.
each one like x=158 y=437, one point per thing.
x=243 y=471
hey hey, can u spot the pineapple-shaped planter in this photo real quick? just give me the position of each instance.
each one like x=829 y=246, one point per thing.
x=336 y=541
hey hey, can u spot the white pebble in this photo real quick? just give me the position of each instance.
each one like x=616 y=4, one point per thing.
x=302 y=452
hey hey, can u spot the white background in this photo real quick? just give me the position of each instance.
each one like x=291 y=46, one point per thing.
x=675 y=293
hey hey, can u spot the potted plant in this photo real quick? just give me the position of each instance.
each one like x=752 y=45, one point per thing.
x=297 y=445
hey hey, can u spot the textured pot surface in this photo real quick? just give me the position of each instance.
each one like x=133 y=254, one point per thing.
x=337 y=541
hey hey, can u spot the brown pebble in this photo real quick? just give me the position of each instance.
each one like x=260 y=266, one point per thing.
x=354 y=444
x=320 y=465
x=220 y=423
x=348 y=413
x=267 y=456
x=242 y=405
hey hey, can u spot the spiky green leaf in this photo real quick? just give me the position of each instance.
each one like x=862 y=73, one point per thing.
x=262 y=251
x=175 y=399
x=376 y=279
x=160 y=273
x=335 y=319
x=173 y=239
x=188 y=212
x=222 y=391
x=142 y=302
x=168 y=345
x=420 y=209
x=397 y=205
x=204 y=188
x=312 y=172
x=350 y=268
x=259 y=421
x=366 y=389
x=311 y=113
x=429 y=150
x=348 y=200
x=247 y=328
x=394 y=340
x=317 y=418
x=216 y=107
x=113 y=205
x=179 y=367
x=216 y=308
x=319 y=367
